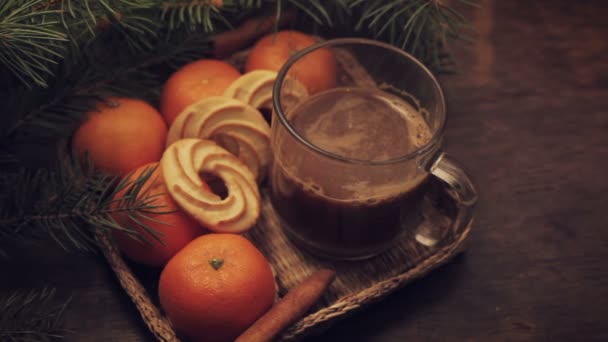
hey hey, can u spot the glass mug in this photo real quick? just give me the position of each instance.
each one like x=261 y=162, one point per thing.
x=351 y=164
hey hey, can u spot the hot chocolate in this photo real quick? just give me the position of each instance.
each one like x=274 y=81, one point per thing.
x=339 y=207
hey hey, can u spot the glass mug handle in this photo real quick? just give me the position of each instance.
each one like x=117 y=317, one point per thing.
x=460 y=189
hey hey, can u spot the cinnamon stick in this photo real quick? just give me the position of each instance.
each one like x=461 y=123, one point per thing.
x=289 y=309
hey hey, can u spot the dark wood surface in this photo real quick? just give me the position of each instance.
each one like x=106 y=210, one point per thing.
x=528 y=116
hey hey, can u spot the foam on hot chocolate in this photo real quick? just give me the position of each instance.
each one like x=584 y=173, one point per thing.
x=362 y=124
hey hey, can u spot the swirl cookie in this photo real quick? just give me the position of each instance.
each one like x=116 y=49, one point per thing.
x=182 y=164
x=255 y=89
x=235 y=125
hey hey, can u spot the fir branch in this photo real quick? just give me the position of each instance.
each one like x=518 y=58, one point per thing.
x=136 y=21
x=28 y=40
x=32 y=316
x=36 y=33
x=190 y=14
x=69 y=203
x=314 y=10
x=420 y=27
x=101 y=73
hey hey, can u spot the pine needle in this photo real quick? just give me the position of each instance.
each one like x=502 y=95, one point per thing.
x=73 y=201
x=28 y=41
x=32 y=316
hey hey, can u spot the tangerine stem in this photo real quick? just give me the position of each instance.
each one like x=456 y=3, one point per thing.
x=216 y=263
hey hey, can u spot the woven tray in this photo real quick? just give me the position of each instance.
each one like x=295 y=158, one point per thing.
x=357 y=284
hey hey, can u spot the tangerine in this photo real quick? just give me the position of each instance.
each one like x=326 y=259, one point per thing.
x=317 y=70
x=123 y=135
x=216 y=287
x=194 y=82
x=176 y=228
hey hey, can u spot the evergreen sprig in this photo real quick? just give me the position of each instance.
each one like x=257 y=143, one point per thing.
x=73 y=200
x=32 y=316
x=421 y=26
x=192 y=14
x=30 y=40
x=47 y=114
x=35 y=35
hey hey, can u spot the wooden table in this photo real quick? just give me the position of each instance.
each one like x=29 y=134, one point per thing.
x=528 y=116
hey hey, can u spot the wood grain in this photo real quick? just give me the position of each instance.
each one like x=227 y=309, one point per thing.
x=531 y=126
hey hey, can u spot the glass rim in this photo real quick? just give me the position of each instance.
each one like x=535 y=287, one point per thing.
x=278 y=107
